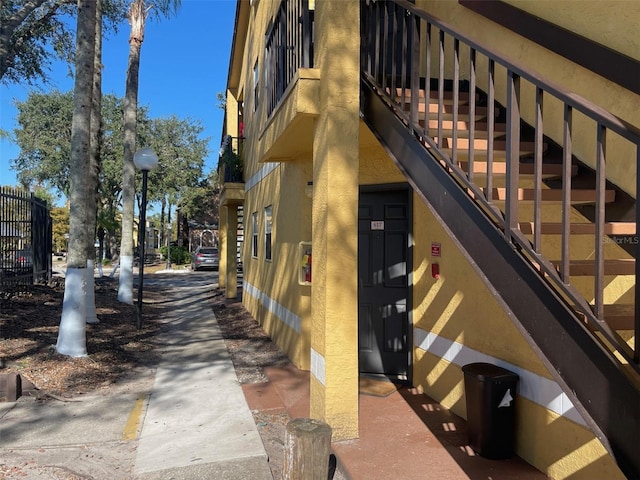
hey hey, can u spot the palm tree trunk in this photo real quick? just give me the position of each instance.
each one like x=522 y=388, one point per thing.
x=136 y=19
x=94 y=167
x=72 y=336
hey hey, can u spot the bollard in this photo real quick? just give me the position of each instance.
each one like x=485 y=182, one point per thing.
x=10 y=387
x=307 y=450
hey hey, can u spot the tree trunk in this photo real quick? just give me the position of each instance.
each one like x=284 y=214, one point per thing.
x=94 y=166
x=136 y=19
x=71 y=336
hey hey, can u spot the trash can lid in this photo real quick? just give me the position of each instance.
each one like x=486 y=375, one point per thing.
x=483 y=371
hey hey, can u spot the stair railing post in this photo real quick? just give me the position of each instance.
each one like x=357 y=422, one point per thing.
x=513 y=153
x=567 y=160
x=601 y=185
x=636 y=317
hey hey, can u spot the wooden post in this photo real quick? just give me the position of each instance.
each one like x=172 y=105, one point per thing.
x=307 y=450
x=10 y=387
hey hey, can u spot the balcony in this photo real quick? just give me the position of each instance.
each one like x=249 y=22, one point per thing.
x=230 y=171
x=292 y=91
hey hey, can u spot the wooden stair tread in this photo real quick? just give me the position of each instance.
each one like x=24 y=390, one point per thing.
x=619 y=317
x=433 y=94
x=610 y=228
x=616 y=266
x=498 y=144
x=578 y=197
x=525 y=169
x=447 y=109
x=498 y=154
x=481 y=131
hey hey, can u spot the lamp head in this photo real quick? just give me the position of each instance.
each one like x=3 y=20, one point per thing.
x=145 y=159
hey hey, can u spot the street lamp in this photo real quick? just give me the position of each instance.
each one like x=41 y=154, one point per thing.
x=169 y=247
x=144 y=159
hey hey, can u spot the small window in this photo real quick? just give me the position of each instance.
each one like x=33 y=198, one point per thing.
x=267 y=231
x=254 y=234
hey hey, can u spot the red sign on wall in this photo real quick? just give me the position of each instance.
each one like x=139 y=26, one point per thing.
x=435 y=249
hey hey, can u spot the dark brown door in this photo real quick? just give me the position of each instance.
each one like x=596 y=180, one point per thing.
x=384 y=303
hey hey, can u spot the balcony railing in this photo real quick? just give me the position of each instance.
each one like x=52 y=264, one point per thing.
x=289 y=47
x=230 y=164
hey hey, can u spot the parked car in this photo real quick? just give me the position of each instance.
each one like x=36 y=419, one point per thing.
x=205 y=257
x=22 y=259
x=18 y=262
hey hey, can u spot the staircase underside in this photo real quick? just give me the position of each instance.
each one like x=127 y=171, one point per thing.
x=605 y=394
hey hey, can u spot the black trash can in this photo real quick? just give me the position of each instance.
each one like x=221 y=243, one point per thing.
x=490 y=391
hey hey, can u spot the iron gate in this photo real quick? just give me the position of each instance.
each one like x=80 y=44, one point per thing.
x=25 y=238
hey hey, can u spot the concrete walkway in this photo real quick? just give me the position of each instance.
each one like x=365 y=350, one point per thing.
x=198 y=424
x=189 y=421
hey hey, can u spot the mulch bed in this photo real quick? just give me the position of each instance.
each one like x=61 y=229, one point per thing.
x=29 y=321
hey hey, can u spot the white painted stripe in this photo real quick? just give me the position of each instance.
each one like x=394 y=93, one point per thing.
x=318 y=367
x=286 y=316
x=256 y=178
x=531 y=386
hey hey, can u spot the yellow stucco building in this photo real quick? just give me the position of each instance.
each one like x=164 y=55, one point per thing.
x=424 y=187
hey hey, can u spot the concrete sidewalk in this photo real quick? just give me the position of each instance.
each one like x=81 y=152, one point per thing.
x=190 y=420
x=198 y=424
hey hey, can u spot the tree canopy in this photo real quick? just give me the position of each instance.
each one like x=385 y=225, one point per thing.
x=44 y=138
x=33 y=33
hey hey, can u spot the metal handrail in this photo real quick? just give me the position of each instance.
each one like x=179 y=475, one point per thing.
x=400 y=36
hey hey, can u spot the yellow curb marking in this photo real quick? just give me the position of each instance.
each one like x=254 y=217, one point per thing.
x=133 y=422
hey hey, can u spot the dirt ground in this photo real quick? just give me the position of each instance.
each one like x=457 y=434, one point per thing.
x=29 y=320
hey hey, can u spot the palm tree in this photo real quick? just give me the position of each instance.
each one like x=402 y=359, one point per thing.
x=71 y=336
x=94 y=166
x=138 y=13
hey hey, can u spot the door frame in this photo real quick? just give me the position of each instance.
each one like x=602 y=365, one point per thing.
x=406 y=187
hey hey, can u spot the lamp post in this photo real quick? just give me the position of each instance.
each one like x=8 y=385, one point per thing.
x=169 y=247
x=144 y=159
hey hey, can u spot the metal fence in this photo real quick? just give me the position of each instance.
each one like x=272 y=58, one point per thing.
x=25 y=239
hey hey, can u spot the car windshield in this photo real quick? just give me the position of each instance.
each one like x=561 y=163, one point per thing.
x=209 y=251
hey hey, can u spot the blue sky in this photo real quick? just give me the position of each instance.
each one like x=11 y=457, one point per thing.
x=184 y=64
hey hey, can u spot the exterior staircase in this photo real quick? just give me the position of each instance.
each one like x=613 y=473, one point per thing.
x=438 y=125
x=551 y=235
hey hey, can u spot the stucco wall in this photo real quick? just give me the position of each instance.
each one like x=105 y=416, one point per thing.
x=456 y=311
x=457 y=321
x=272 y=293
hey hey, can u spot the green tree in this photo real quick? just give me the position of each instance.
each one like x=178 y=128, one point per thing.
x=60 y=220
x=181 y=152
x=138 y=12
x=200 y=205
x=33 y=33
x=44 y=138
x=44 y=194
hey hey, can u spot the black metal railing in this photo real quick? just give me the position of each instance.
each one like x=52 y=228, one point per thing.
x=25 y=238
x=230 y=163
x=289 y=46
x=408 y=55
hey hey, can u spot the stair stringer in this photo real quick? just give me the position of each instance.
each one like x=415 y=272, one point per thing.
x=594 y=381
